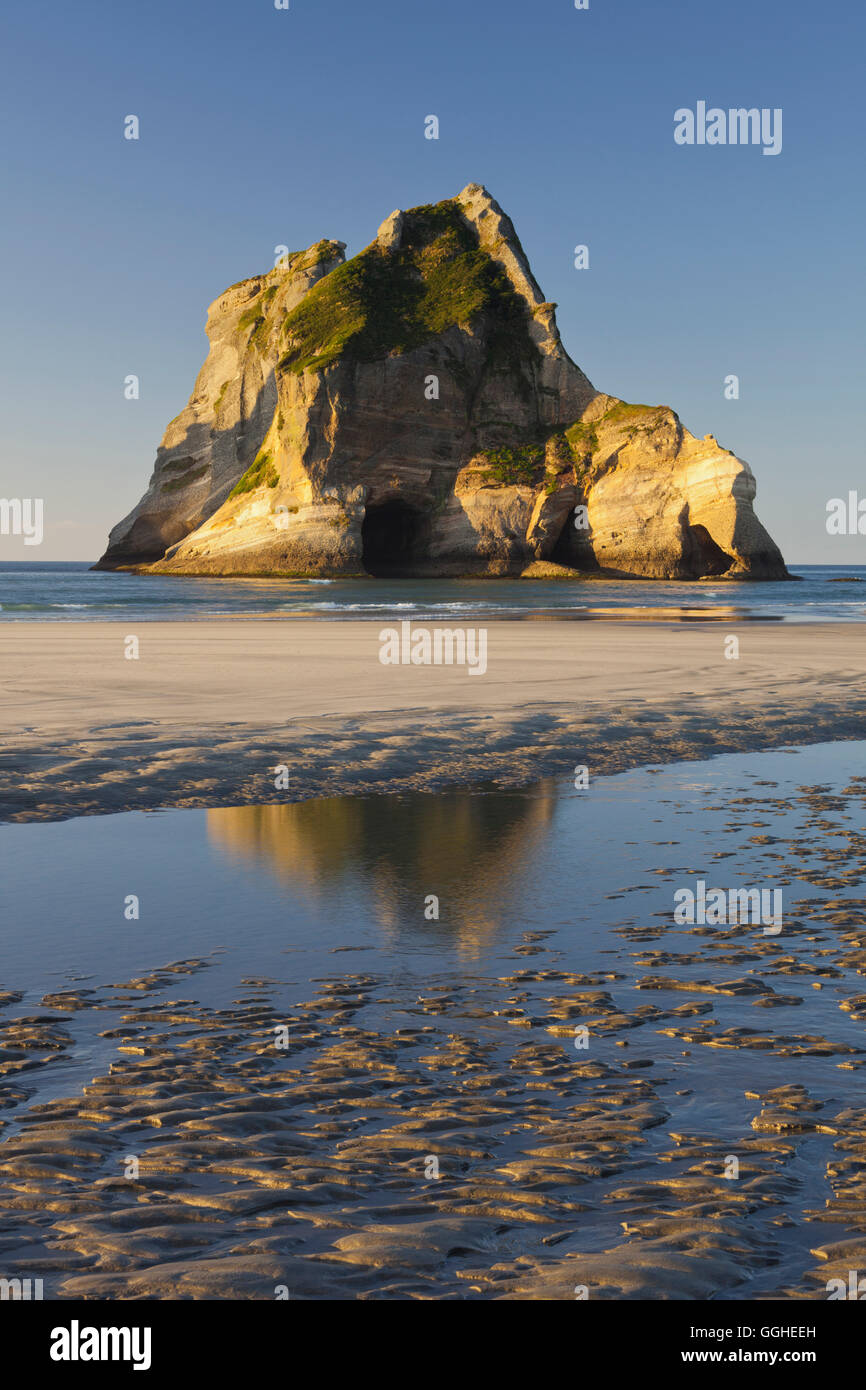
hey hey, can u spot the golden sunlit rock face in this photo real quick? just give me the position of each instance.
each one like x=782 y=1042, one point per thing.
x=412 y=411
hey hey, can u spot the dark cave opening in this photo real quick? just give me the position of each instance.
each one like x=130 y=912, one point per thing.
x=393 y=538
x=573 y=547
x=704 y=555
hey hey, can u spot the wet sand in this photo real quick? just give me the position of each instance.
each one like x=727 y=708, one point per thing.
x=463 y=1147
x=210 y=708
x=469 y=1150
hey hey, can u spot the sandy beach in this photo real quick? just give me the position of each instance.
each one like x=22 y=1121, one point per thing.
x=208 y=709
x=540 y=1096
x=436 y=1127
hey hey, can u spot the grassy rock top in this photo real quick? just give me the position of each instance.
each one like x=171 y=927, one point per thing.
x=393 y=299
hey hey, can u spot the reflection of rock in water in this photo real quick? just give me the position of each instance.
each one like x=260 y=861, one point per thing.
x=471 y=851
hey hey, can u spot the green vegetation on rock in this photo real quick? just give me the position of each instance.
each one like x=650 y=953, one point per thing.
x=620 y=424
x=583 y=441
x=391 y=301
x=513 y=467
x=251 y=315
x=218 y=401
x=262 y=472
x=635 y=419
x=322 y=251
x=625 y=414
x=560 y=459
x=256 y=317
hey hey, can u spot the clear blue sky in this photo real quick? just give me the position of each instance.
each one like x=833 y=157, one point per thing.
x=261 y=127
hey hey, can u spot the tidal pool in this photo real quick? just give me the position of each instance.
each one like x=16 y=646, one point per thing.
x=287 y=1034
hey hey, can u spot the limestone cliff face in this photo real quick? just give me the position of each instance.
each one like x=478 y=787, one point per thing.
x=661 y=503
x=413 y=411
x=212 y=442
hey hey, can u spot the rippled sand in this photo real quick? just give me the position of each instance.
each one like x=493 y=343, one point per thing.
x=208 y=709
x=312 y=1172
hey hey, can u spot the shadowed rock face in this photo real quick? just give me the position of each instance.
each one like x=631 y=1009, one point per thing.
x=413 y=412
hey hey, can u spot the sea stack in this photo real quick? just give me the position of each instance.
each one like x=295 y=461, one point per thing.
x=412 y=411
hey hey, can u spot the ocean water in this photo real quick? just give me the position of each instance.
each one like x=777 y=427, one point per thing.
x=34 y=591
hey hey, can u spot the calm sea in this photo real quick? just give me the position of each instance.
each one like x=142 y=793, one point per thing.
x=72 y=591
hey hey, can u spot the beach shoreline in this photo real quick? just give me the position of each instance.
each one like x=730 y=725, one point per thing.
x=206 y=713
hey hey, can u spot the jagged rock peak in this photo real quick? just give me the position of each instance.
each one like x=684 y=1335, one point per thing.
x=413 y=410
